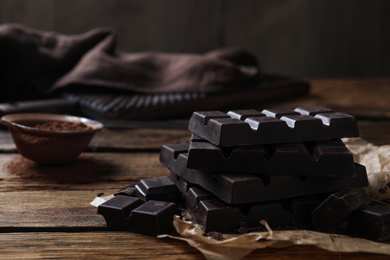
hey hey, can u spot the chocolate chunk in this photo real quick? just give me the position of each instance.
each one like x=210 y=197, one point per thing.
x=305 y=159
x=158 y=188
x=211 y=214
x=336 y=209
x=127 y=191
x=153 y=217
x=372 y=222
x=238 y=128
x=237 y=188
x=116 y=211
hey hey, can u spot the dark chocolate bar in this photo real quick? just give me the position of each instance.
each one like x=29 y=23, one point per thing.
x=211 y=214
x=327 y=158
x=238 y=188
x=116 y=211
x=153 y=217
x=336 y=209
x=158 y=188
x=372 y=222
x=247 y=127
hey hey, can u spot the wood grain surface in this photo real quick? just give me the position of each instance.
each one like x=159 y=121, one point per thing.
x=45 y=211
x=124 y=245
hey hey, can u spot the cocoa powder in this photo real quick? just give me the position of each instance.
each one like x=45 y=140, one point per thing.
x=86 y=169
x=63 y=126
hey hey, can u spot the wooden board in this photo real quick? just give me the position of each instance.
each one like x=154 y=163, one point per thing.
x=93 y=171
x=125 y=245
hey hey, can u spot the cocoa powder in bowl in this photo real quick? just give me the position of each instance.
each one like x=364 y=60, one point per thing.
x=51 y=138
x=63 y=126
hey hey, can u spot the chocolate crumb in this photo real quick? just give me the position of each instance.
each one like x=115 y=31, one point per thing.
x=215 y=235
x=85 y=169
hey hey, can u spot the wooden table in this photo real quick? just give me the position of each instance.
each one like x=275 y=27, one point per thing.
x=45 y=213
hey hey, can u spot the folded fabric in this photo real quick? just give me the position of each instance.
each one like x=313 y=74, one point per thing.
x=35 y=64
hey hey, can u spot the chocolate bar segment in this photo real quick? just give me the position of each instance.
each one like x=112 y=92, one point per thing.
x=211 y=214
x=279 y=112
x=372 y=222
x=158 y=188
x=336 y=209
x=244 y=114
x=312 y=111
x=339 y=123
x=238 y=188
x=117 y=210
x=153 y=217
x=305 y=159
x=228 y=130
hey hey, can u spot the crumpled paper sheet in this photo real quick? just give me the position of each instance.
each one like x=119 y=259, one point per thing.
x=235 y=247
x=377 y=162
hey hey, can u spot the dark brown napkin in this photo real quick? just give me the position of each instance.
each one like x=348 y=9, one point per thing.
x=36 y=63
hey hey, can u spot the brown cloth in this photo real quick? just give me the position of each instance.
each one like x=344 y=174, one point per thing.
x=36 y=63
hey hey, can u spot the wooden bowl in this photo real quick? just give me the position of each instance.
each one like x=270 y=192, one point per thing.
x=50 y=138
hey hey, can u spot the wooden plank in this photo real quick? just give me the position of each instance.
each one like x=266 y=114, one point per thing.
x=92 y=245
x=93 y=171
x=302 y=38
x=126 y=245
x=119 y=139
x=141 y=25
x=306 y=38
x=49 y=209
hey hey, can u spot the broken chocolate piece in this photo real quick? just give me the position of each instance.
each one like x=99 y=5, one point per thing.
x=116 y=211
x=153 y=217
x=158 y=188
x=292 y=126
x=372 y=222
x=127 y=191
x=305 y=159
x=336 y=209
x=238 y=188
x=211 y=214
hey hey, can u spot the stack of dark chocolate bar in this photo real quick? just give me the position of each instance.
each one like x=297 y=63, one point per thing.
x=287 y=167
x=276 y=165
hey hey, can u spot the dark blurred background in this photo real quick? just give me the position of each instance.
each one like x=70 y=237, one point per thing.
x=304 y=38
